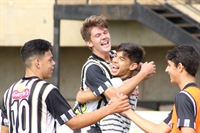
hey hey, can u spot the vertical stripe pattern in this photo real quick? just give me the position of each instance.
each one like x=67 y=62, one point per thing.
x=26 y=106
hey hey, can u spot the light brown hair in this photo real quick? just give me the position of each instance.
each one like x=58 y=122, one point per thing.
x=89 y=23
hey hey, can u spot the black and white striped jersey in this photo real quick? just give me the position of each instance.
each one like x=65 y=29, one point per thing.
x=95 y=75
x=32 y=105
x=118 y=123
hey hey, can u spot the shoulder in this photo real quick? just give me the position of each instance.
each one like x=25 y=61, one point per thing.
x=184 y=100
x=182 y=96
x=93 y=68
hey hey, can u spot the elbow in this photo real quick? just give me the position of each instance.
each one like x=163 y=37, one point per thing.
x=73 y=124
x=74 y=127
x=110 y=93
x=80 y=100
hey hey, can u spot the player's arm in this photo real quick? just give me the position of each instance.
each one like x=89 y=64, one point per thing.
x=116 y=106
x=187 y=130
x=86 y=96
x=147 y=69
x=4 y=129
x=129 y=94
x=4 y=121
x=64 y=114
x=145 y=125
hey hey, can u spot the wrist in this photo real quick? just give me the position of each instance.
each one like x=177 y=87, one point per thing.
x=142 y=74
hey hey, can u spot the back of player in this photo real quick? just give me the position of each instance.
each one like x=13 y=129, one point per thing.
x=26 y=107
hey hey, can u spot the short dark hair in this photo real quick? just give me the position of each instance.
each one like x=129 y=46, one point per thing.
x=187 y=55
x=89 y=23
x=33 y=48
x=134 y=52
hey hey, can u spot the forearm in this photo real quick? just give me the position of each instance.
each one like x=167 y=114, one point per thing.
x=4 y=129
x=87 y=119
x=187 y=130
x=116 y=105
x=147 y=126
x=86 y=96
x=127 y=87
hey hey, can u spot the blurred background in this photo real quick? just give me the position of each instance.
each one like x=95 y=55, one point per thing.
x=157 y=25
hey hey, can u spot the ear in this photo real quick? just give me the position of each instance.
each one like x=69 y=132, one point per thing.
x=133 y=66
x=36 y=63
x=89 y=44
x=180 y=67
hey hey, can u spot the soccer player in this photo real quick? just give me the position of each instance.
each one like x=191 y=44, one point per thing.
x=183 y=62
x=95 y=72
x=34 y=105
x=125 y=61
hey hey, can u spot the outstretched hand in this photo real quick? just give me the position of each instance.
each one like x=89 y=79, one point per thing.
x=119 y=104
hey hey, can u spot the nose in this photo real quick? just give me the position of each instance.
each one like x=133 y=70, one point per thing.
x=103 y=36
x=166 y=69
x=115 y=59
x=53 y=63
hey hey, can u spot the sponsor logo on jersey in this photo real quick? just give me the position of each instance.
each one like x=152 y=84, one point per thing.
x=20 y=93
x=136 y=92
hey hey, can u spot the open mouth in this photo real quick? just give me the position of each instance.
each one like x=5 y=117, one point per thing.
x=114 y=68
x=104 y=43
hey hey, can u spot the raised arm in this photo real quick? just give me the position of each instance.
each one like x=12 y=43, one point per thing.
x=86 y=96
x=147 y=70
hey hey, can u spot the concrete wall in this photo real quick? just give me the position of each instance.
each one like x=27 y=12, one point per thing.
x=24 y=20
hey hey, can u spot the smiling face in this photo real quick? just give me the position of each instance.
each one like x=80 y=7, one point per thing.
x=172 y=70
x=99 y=41
x=122 y=66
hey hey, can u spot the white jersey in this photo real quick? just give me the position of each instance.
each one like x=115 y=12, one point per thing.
x=117 y=123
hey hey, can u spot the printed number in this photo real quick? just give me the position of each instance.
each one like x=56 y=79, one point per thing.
x=20 y=113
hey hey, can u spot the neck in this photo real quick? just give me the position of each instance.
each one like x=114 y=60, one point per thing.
x=31 y=73
x=186 y=81
x=105 y=56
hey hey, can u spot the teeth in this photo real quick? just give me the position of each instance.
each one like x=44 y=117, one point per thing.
x=114 y=66
x=105 y=42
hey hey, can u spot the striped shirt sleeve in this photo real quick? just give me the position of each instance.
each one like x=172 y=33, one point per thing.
x=96 y=80
x=59 y=107
x=185 y=110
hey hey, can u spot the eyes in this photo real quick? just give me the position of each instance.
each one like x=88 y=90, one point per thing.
x=105 y=32
x=51 y=60
x=121 y=58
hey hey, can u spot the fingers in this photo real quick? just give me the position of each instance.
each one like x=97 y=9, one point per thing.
x=119 y=94
x=139 y=67
x=149 y=68
x=120 y=103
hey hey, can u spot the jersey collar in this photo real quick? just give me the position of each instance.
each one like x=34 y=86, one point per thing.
x=190 y=84
x=97 y=57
